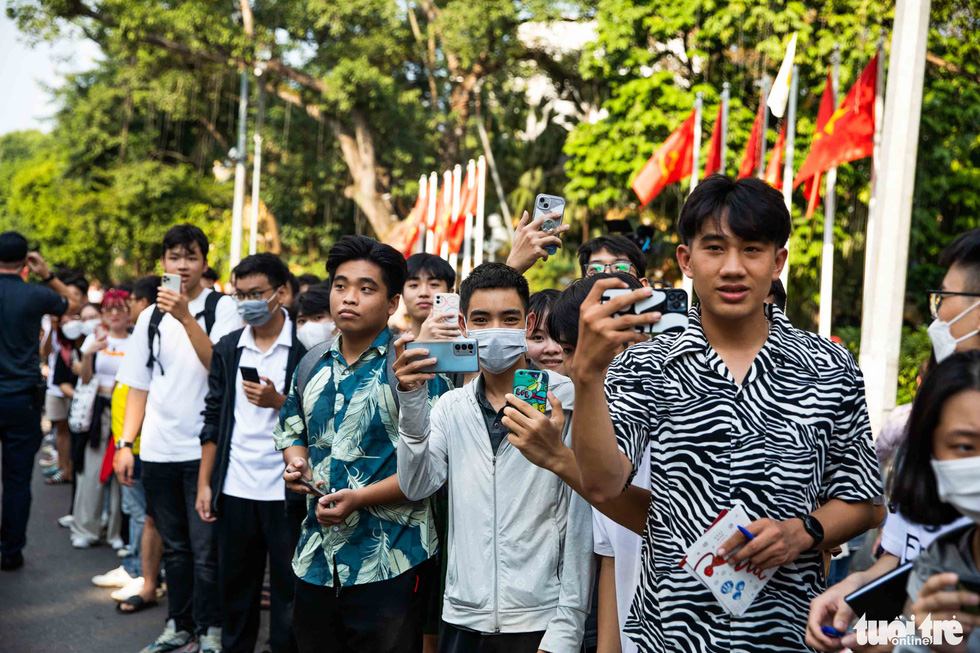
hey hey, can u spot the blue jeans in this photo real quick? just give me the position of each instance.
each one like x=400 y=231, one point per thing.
x=134 y=505
x=20 y=435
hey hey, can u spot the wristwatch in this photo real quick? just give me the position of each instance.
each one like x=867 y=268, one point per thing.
x=126 y=445
x=48 y=280
x=814 y=529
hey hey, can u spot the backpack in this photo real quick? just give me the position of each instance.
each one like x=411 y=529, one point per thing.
x=153 y=328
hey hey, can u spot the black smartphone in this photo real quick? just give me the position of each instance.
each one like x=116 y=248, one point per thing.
x=314 y=489
x=882 y=599
x=250 y=374
x=970 y=584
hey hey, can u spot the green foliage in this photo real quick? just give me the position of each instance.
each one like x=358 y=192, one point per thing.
x=557 y=272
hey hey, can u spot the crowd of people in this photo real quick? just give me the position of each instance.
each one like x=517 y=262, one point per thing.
x=286 y=446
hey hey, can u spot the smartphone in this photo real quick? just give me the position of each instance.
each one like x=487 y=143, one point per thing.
x=671 y=303
x=171 y=281
x=447 y=305
x=460 y=355
x=250 y=374
x=882 y=599
x=532 y=387
x=543 y=205
x=314 y=489
x=971 y=584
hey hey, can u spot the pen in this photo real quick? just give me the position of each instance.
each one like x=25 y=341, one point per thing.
x=746 y=533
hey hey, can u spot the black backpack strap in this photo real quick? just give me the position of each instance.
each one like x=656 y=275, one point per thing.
x=153 y=333
x=304 y=370
x=210 y=311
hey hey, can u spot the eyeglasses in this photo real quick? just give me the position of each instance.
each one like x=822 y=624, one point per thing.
x=255 y=294
x=936 y=299
x=117 y=309
x=599 y=268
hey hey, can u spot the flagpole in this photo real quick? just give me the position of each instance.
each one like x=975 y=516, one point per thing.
x=829 y=204
x=788 y=165
x=468 y=225
x=420 y=237
x=447 y=205
x=481 y=193
x=430 y=234
x=686 y=283
x=766 y=85
x=457 y=184
x=725 y=95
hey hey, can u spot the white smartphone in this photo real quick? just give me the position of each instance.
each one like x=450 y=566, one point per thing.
x=170 y=281
x=543 y=205
x=447 y=305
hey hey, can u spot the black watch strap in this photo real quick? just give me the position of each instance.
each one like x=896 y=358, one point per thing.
x=126 y=445
x=814 y=529
x=49 y=279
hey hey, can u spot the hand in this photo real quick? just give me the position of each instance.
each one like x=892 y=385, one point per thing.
x=776 y=543
x=175 y=303
x=536 y=436
x=263 y=394
x=435 y=327
x=408 y=362
x=296 y=469
x=941 y=604
x=123 y=464
x=530 y=241
x=601 y=336
x=76 y=368
x=203 y=503
x=830 y=609
x=99 y=342
x=344 y=503
x=37 y=265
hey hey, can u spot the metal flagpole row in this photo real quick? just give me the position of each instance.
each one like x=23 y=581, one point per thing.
x=788 y=163
x=830 y=201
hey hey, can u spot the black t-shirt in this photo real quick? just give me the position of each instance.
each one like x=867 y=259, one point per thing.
x=22 y=305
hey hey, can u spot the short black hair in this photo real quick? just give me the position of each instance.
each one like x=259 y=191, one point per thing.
x=266 y=264
x=434 y=266
x=71 y=277
x=308 y=279
x=315 y=301
x=362 y=248
x=146 y=288
x=778 y=294
x=914 y=493
x=563 y=318
x=614 y=244
x=126 y=286
x=493 y=275
x=964 y=252
x=755 y=210
x=210 y=274
x=293 y=282
x=13 y=247
x=541 y=304
x=185 y=235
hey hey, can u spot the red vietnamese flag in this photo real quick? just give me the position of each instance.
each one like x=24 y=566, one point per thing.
x=467 y=206
x=774 y=171
x=849 y=133
x=750 y=160
x=812 y=187
x=669 y=164
x=713 y=162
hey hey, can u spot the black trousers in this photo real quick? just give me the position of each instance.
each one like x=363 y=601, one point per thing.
x=190 y=552
x=457 y=640
x=20 y=435
x=247 y=531
x=383 y=617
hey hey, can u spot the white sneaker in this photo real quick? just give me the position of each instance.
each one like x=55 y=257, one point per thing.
x=66 y=521
x=123 y=552
x=172 y=640
x=116 y=544
x=118 y=577
x=211 y=641
x=134 y=587
x=81 y=542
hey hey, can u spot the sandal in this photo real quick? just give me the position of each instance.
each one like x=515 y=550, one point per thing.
x=58 y=478
x=136 y=603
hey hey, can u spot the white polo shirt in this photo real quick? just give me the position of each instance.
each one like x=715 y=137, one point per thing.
x=254 y=465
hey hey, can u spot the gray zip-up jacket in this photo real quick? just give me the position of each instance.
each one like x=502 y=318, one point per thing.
x=520 y=540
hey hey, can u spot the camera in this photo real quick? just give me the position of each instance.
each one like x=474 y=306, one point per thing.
x=671 y=303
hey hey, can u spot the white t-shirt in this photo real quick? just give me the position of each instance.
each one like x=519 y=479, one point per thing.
x=108 y=361
x=615 y=541
x=254 y=465
x=173 y=422
x=53 y=388
x=906 y=540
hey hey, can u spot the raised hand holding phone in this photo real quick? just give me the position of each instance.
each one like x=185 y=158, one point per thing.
x=532 y=243
x=409 y=363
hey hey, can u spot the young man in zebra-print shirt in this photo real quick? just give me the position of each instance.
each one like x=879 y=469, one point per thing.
x=735 y=410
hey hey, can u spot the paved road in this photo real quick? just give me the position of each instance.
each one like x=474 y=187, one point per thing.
x=51 y=606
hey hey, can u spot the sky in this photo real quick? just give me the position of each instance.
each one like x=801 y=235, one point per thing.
x=25 y=71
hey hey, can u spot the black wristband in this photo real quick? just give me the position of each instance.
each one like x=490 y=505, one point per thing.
x=125 y=445
x=49 y=279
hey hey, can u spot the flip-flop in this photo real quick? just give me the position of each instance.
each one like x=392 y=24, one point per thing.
x=56 y=479
x=136 y=602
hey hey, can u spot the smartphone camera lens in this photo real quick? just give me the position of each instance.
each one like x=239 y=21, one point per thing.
x=545 y=204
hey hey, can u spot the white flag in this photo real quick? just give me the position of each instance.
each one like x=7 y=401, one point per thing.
x=780 y=88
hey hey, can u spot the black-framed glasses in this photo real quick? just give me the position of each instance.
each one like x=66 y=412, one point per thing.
x=599 y=268
x=936 y=299
x=254 y=294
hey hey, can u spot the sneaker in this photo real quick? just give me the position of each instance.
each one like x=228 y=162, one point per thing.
x=118 y=577
x=123 y=552
x=116 y=544
x=211 y=641
x=172 y=640
x=66 y=521
x=134 y=587
x=82 y=542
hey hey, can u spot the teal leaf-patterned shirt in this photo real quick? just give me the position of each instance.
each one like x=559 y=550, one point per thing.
x=349 y=422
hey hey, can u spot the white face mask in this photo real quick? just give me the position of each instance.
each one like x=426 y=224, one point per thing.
x=312 y=334
x=958 y=484
x=72 y=329
x=499 y=349
x=943 y=342
x=89 y=326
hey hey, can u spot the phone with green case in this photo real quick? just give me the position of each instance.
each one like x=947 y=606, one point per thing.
x=532 y=387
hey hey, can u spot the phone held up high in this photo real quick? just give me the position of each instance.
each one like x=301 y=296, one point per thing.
x=532 y=386
x=543 y=205
x=671 y=303
x=447 y=305
x=170 y=282
x=460 y=355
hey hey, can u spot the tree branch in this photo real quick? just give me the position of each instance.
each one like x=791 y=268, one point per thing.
x=950 y=67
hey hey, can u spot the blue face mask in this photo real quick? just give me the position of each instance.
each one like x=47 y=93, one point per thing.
x=255 y=312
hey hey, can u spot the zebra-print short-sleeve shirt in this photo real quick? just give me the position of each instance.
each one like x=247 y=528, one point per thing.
x=794 y=435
